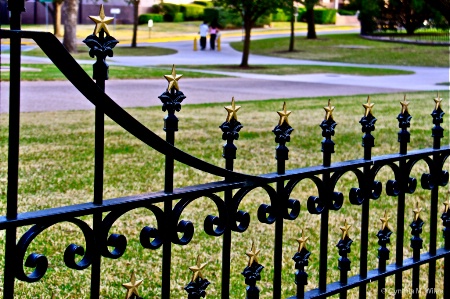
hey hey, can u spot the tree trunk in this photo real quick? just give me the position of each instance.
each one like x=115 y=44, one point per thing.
x=292 y=39
x=70 y=25
x=311 y=26
x=57 y=28
x=246 y=49
x=135 y=22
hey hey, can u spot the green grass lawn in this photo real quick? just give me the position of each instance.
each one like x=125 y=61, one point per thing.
x=83 y=52
x=351 y=48
x=56 y=169
x=300 y=69
x=49 y=72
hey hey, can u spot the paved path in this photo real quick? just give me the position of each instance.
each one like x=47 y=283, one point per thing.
x=42 y=96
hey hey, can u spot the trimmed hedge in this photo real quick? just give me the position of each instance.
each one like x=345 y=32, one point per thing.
x=192 y=12
x=321 y=16
x=325 y=16
x=144 y=18
x=179 y=17
x=227 y=19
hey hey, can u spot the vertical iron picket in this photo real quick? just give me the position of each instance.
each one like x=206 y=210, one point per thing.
x=230 y=129
x=100 y=47
x=368 y=125
x=404 y=119
x=437 y=134
x=383 y=235
x=282 y=132
x=327 y=125
x=416 y=245
x=171 y=100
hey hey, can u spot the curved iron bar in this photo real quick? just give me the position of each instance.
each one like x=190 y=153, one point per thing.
x=187 y=228
x=119 y=242
x=392 y=186
x=266 y=213
x=40 y=262
x=81 y=80
x=313 y=203
x=356 y=194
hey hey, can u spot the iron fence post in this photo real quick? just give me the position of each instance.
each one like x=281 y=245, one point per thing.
x=16 y=8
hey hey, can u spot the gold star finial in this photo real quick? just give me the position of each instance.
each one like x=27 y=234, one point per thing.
x=437 y=102
x=368 y=106
x=197 y=269
x=404 y=104
x=284 y=115
x=173 y=79
x=252 y=255
x=417 y=211
x=446 y=204
x=345 y=229
x=132 y=286
x=384 y=221
x=101 y=21
x=328 y=110
x=302 y=242
x=232 y=110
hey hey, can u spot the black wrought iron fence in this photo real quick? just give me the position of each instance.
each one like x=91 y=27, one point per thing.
x=171 y=229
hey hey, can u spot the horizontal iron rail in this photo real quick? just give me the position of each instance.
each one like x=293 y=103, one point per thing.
x=353 y=164
x=374 y=275
x=84 y=209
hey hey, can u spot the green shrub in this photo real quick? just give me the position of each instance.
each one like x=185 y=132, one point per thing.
x=224 y=18
x=211 y=14
x=301 y=14
x=204 y=3
x=192 y=11
x=344 y=12
x=280 y=16
x=179 y=17
x=325 y=16
x=170 y=10
x=263 y=20
x=144 y=18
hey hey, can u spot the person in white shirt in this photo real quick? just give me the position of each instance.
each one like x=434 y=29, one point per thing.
x=203 y=32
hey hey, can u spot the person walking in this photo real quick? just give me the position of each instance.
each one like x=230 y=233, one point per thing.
x=203 y=32
x=213 y=31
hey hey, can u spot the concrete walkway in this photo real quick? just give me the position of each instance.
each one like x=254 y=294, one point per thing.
x=44 y=96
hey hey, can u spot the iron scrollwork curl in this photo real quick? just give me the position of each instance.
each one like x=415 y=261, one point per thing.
x=40 y=262
x=213 y=225
x=119 y=242
x=266 y=213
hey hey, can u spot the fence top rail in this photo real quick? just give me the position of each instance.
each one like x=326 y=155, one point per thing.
x=143 y=200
